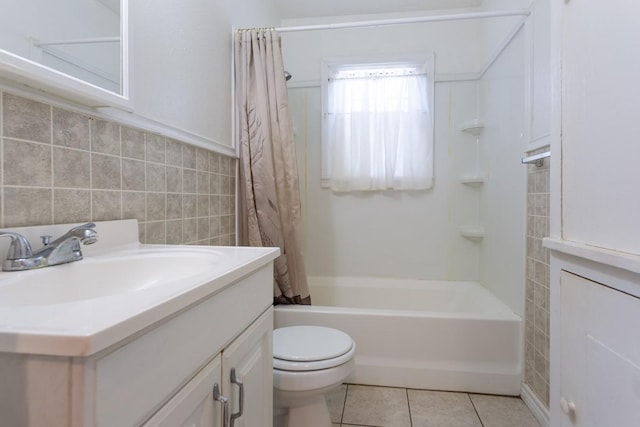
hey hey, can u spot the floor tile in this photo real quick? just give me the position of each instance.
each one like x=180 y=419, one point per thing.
x=442 y=409
x=335 y=402
x=376 y=407
x=502 y=411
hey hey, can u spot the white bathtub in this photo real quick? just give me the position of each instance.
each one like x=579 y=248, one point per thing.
x=434 y=335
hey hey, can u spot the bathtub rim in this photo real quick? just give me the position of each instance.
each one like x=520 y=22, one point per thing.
x=507 y=316
x=499 y=309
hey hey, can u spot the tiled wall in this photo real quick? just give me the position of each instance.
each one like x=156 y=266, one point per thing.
x=59 y=166
x=537 y=287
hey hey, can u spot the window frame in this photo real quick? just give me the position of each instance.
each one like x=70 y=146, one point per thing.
x=329 y=64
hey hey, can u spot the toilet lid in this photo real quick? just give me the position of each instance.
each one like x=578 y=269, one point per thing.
x=310 y=347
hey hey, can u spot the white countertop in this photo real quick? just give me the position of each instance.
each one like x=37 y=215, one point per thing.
x=88 y=325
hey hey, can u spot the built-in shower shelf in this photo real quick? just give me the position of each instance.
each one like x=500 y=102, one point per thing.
x=472 y=181
x=472 y=232
x=474 y=127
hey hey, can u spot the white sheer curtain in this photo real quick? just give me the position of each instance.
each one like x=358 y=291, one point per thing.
x=379 y=132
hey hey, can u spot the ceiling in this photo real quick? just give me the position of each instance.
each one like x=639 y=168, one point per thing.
x=293 y=9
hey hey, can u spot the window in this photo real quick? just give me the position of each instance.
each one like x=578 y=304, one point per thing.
x=378 y=124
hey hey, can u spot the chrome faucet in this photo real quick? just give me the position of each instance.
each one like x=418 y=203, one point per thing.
x=64 y=249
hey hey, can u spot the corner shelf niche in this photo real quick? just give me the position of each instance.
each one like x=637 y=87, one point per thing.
x=472 y=232
x=473 y=127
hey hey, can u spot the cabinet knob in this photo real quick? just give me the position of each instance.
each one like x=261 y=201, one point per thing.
x=568 y=407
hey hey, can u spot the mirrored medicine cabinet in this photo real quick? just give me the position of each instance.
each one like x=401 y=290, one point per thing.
x=76 y=49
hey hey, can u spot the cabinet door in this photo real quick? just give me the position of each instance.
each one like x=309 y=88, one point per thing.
x=250 y=356
x=194 y=405
x=600 y=92
x=600 y=367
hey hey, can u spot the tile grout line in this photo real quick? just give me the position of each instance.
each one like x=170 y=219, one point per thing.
x=91 y=195
x=344 y=404
x=146 y=193
x=406 y=391
x=2 y=192
x=51 y=166
x=475 y=409
x=166 y=197
x=121 y=172
x=481 y=421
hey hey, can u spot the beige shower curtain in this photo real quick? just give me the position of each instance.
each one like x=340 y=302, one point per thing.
x=269 y=197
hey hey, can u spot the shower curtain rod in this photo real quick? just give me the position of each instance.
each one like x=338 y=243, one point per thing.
x=91 y=40
x=414 y=20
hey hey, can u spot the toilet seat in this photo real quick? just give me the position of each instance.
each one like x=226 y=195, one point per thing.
x=310 y=348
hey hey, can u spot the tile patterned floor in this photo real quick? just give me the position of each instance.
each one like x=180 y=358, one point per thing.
x=356 y=405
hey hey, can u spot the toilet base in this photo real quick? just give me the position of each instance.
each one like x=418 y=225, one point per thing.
x=315 y=413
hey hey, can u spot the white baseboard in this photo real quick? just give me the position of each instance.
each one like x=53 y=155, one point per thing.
x=536 y=407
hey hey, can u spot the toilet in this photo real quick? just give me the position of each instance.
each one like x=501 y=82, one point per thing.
x=308 y=361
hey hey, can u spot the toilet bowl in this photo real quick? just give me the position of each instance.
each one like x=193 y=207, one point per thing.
x=308 y=361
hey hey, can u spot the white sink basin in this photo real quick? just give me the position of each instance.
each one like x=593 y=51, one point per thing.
x=102 y=276
x=120 y=288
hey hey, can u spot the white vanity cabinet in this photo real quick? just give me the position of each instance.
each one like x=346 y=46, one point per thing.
x=194 y=405
x=249 y=358
x=162 y=374
x=600 y=355
x=137 y=335
x=232 y=329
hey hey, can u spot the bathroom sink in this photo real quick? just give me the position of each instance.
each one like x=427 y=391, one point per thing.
x=106 y=275
x=119 y=288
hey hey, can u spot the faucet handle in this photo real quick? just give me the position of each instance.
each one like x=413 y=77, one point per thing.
x=20 y=247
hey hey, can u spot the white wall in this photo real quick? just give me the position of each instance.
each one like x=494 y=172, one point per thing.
x=540 y=33
x=182 y=54
x=502 y=207
x=494 y=30
x=450 y=41
x=390 y=234
x=416 y=235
